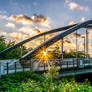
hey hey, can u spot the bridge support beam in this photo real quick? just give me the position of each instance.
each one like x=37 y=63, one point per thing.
x=62 y=48
x=76 y=46
x=21 y=52
x=87 y=43
x=61 y=52
x=45 y=51
x=84 y=44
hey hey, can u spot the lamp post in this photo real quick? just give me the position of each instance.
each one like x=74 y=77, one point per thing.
x=84 y=45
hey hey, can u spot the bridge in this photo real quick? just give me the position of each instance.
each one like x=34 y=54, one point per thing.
x=26 y=60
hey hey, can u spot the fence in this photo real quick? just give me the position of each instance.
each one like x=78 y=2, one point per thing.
x=13 y=65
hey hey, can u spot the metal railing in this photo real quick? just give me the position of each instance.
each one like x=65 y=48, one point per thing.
x=13 y=66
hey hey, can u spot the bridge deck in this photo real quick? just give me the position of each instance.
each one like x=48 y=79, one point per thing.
x=68 y=67
x=75 y=72
x=71 y=70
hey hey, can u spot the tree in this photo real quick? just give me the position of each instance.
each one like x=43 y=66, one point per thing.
x=14 y=54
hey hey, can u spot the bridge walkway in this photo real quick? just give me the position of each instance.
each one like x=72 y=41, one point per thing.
x=68 y=66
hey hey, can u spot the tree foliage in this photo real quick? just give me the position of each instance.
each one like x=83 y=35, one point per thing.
x=14 y=54
x=56 y=53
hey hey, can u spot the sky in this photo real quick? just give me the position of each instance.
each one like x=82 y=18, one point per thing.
x=21 y=19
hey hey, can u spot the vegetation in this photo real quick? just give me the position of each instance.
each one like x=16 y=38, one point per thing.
x=47 y=82
x=15 y=80
x=14 y=54
x=34 y=82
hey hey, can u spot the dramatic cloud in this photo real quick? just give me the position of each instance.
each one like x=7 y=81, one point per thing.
x=34 y=25
x=35 y=19
x=73 y=5
x=10 y=25
x=21 y=19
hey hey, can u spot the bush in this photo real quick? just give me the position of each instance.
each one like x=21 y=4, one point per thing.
x=56 y=86
x=14 y=80
x=33 y=82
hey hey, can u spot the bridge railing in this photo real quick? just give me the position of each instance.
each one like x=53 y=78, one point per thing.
x=14 y=65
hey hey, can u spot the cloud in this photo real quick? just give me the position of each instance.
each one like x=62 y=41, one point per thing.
x=21 y=19
x=35 y=19
x=35 y=3
x=3 y=33
x=90 y=34
x=10 y=25
x=71 y=23
x=30 y=31
x=37 y=30
x=83 y=19
x=70 y=46
x=15 y=35
x=67 y=41
x=34 y=25
x=73 y=5
x=3 y=17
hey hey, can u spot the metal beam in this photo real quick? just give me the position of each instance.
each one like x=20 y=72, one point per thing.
x=87 y=42
x=62 y=47
x=57 y=37
x=34 y=37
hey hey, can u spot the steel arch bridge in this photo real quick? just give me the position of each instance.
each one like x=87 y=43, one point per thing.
x=66 y=31
x=65 y=64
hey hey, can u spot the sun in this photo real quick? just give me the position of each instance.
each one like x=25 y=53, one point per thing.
x=44 y=52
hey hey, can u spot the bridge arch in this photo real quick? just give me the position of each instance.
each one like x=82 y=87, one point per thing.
x=58 y=37
x=34 y=37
